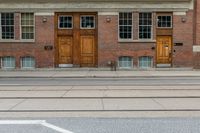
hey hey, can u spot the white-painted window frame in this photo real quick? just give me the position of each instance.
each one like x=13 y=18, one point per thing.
x=150 y=62
x=125 y=61
x=128 y=39
x=65 y=16
x=2 y=63
x=152 y=21
x=170 y=21
x=7 y=40
x=87 y=27
x=21 y=62
x=34 y=28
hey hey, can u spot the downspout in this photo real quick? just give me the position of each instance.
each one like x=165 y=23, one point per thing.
x=195 y=23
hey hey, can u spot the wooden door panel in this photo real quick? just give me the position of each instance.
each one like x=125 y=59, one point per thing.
x=65 y=49
x=87 y=50
x=164 y=48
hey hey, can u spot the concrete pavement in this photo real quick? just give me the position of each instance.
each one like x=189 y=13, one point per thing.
x=65 y=73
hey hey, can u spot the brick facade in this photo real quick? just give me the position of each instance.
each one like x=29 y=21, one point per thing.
x=44 y=35
x=183 y=33
x=110 y=48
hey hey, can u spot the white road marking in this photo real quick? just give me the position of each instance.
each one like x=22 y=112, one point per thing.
x=34 y=122
x=61 y=130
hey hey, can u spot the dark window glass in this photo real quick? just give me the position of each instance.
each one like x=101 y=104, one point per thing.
x=65 y=22
x=7 y=25
x=125 y=25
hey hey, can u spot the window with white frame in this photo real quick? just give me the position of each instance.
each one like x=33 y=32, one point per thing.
x=8 y=62
x=125 y=62
x=7 y=26
x=145 y=25
x=27 y=25
x=125 y=25
x=164 y=21
x=145 y=62
x=28 y=62
x=87 y=22
x=65 y=22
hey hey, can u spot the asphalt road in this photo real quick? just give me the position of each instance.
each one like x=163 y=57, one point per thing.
x=100 y=81
x=87 y=125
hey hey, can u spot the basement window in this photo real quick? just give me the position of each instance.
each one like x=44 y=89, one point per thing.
x=28 y=62
x=8 y=62
x=145 y=62
x=125 y=62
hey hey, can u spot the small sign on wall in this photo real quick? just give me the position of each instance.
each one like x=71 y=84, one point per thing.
x=178 y=44
x=48 y=47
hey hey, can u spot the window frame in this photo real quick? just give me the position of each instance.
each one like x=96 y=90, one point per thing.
x=2 y=63
x=145 y=67
x=125 y=67
x=65 y=16
x=34 y=28
x=85 y=28
x=126 y=39
x=152 y=22
x=21 y=62
x=1 y=28
x=166 y=16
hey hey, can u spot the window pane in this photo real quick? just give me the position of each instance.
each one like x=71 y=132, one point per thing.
x=164 y=21
x=125 y=62
x=7 y=25
x=65 y=22
x=145 y=25
x=8 y=62
x=125 y=25
x=145 y=62
x=87 y=22
x=28 y=62
x=27 y=25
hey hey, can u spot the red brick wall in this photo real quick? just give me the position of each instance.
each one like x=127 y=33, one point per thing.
x=109 y=49
x=183 y=33
x=44 y=35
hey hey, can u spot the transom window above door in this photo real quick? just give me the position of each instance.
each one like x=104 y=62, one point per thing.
x=65 y=22
x=87 y=22
x=164 y=21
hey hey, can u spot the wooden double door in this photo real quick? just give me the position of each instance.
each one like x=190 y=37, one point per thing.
x=76 y=39
x=164 y=49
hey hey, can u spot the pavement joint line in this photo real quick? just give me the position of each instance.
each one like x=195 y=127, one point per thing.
x=67 y=91
x=142 y=97
x=119 y=110
x=34 y=122
x=158 y=103
x=17 y=104
x=133 y=85
x=102 y=103
x=164 y=89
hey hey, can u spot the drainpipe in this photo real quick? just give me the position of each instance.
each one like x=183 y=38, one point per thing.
x=195 y=22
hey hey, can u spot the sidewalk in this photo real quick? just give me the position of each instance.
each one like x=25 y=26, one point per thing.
x=82 y=73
